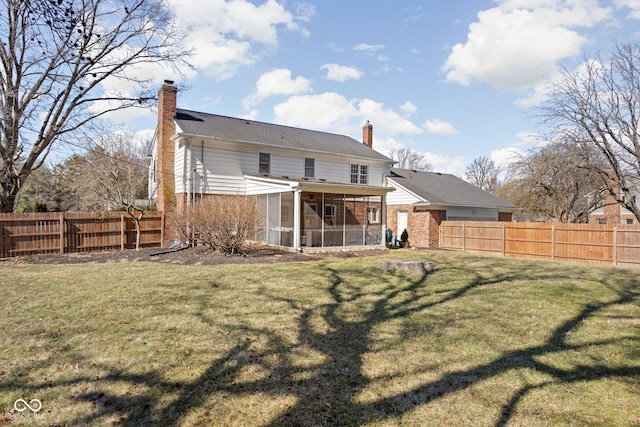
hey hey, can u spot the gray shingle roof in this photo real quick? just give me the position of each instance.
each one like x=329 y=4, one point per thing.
x=249 y=131
x=445 y=189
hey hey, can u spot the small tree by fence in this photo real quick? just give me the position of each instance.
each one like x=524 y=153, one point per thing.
x=60 y=232
x=589 y=243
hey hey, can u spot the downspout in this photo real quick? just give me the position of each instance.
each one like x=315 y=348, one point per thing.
x=188 y=173
x=202 y=166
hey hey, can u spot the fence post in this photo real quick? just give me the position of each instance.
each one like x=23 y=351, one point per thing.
x=61 y=232
x=464 y=238
x=122 y=233
x=553 y=242
x=615 y=246
x=504 y=240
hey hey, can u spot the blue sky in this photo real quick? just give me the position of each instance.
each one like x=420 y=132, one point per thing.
x=453 y=79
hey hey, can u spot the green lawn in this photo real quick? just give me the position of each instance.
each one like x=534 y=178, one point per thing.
x=485 y=341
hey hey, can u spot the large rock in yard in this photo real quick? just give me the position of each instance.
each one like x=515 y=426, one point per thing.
x=412 y=267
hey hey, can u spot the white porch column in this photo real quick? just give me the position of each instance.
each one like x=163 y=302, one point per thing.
x=296 y=218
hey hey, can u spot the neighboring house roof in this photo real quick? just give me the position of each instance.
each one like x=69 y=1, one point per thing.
x=248 y=131
x=442 y=189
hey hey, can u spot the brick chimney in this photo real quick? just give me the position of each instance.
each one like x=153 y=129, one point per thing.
x=166 y=197
x=367 y=134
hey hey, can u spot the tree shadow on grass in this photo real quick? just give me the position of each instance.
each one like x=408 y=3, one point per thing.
x=325 y=391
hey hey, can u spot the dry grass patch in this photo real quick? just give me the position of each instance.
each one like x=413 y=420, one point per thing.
x=484 y=341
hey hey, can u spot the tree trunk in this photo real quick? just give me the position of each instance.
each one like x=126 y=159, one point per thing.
x=7 y=203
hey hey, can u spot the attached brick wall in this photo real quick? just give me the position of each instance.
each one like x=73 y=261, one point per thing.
x=423 y=226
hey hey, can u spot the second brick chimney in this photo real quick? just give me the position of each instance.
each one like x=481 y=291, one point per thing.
x=367 y=134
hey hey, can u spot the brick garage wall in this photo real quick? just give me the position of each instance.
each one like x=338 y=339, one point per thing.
x=435 y=219
x=423 y=226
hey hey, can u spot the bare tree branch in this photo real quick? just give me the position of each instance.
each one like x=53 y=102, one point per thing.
x=410 y=159
x=58 y=57
x=597 y=107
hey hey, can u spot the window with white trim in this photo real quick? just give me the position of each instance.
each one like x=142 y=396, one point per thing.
x=359 y=174
x=373 y=215
x=264 y=163
x=309 y=167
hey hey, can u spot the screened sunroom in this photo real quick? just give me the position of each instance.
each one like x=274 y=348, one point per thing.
x=323 y=216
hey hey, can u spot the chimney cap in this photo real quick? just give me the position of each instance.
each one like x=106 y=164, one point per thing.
x=169 y=82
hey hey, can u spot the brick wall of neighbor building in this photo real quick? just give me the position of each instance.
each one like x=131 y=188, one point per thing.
x=505 y=216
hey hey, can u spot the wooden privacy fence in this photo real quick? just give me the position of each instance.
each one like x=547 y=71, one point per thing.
x=59 y=232
x=589 y=243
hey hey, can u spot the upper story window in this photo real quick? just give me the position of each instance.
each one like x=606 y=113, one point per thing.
x=264 y=163
x=359 y=174
x=309 y=167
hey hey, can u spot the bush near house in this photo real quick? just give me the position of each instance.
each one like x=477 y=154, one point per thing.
x=222 y=223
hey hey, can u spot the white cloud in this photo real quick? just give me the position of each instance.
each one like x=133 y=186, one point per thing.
x=409 y=108
x=514 y=45
x=334 y=113
x=276 y=82
x=634 y=5
x=369 y=48
x=327 y=111
x=439 y=127
x=446 y=164
x=226 y=35
x=341 y=73
x=386 y=120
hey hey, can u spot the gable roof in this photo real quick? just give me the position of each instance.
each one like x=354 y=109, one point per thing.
x=206 y=125
x=436 y=188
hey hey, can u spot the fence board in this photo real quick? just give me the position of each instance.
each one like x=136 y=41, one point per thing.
x=49 y=232
x=590 y=243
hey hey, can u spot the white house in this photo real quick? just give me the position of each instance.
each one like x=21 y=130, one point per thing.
x=317 y=189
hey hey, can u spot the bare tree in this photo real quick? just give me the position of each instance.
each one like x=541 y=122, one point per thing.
x=115 y=177
x=554 y=183
x=597 y=107
x=483 y=173
x=57 y=58
x=410 y=159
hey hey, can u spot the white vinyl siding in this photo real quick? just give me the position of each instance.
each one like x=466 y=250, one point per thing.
x=400 y=196
x=179 y=167
x=220 y=167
